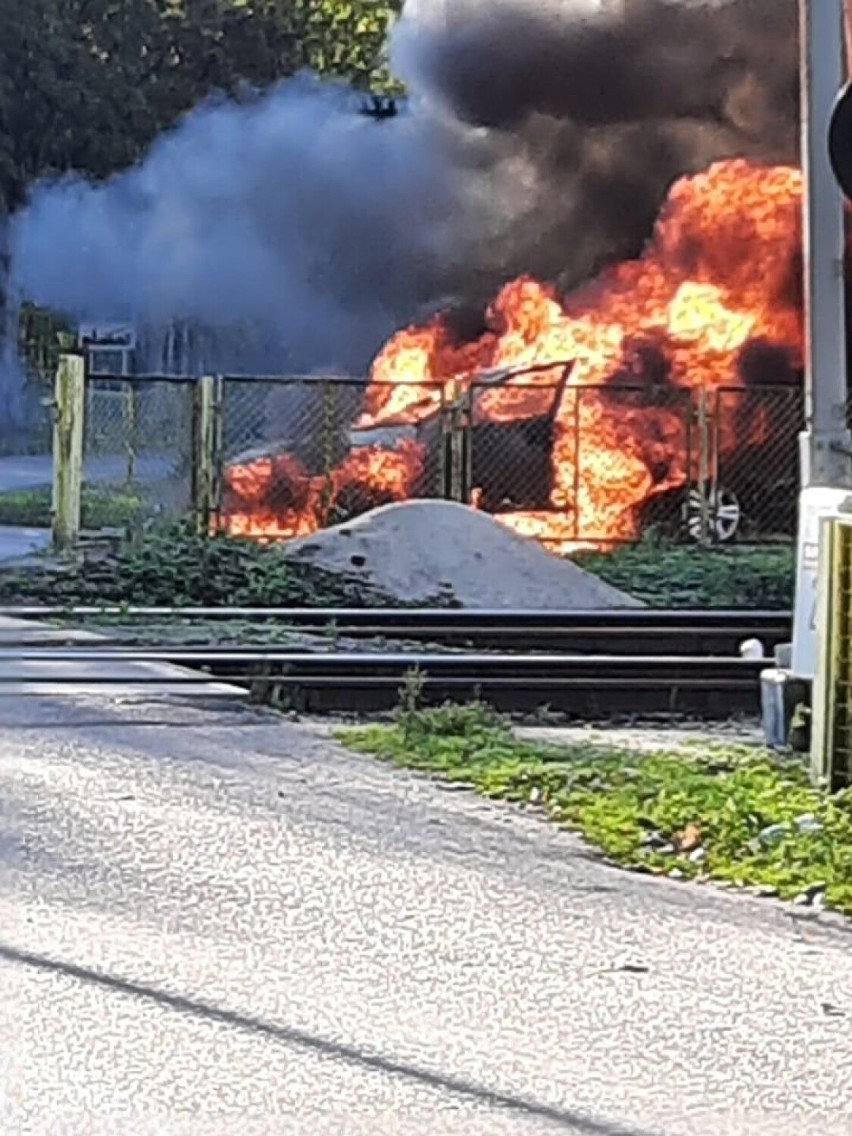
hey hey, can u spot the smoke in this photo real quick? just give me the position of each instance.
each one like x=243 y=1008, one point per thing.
x=581 y=113
x=540 y=136
x=13 y=408
x=292 y=218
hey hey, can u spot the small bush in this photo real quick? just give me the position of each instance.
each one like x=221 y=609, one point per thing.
x=175 y=567
x=668 y=575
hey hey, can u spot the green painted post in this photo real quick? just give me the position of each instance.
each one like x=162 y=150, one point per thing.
x=69 y=415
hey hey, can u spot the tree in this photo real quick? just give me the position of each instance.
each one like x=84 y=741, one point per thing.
x=345 y=38
x=74 y=88
x=88 y=84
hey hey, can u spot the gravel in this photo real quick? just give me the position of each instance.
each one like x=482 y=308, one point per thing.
x=417 y=550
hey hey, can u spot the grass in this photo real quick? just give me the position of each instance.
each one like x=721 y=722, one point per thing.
x=730 y=813
x=173 y=567
x=668 y=575
x=101 y=508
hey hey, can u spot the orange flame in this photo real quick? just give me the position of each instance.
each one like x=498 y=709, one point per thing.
x=273 y=498
x=721 y=271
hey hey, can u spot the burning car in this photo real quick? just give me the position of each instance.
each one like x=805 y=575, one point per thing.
x=669 y=387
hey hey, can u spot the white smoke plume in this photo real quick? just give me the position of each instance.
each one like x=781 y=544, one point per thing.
x=540 y=136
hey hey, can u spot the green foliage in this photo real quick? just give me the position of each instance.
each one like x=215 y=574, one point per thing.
x=408 y=711
x=733 y=813
x=101 y=508
x=175 y=567
x=344 y=38
x=669 y=575
x=86 y=85
x=472 y=724
x=43 y=336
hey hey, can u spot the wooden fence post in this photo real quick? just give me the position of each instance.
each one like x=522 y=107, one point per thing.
x=207 y=450
x=69 y=415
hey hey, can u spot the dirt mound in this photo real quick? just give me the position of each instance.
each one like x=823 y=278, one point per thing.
x=418 y=550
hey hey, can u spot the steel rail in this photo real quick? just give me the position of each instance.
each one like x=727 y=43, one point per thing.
x=425 y=617
x=350 y=660
x=581 y=685
x=632 y=631
x=349 y=681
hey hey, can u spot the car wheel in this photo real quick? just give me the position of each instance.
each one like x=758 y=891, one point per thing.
x=724 y=513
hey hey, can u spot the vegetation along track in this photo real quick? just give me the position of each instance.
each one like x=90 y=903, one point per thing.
x=585 y=664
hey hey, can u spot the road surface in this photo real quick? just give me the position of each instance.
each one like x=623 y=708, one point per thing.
x=215 y=921
x=29 y=472
x=17 y=541
x=35 y=471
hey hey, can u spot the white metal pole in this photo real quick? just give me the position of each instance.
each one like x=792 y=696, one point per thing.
x=826 y=473
x=823 y=73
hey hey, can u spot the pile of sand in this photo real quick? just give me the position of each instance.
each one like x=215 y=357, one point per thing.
x=416 y=550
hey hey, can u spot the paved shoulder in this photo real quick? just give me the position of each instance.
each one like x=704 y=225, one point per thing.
x=16 y=542
x=214 y=921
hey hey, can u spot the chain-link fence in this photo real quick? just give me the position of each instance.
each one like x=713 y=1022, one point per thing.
x=564 y=464
x=637 y=448
x=755 y=433
x=601 y=464
x=567 y=465
x=30 y=344
x=138 y=449
x=301 y=454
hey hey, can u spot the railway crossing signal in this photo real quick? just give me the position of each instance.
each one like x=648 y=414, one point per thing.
x=840 y=141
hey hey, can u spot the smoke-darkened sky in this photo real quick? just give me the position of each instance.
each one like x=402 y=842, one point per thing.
x=540 y=136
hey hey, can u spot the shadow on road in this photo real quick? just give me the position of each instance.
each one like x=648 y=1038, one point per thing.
x=307 y=1042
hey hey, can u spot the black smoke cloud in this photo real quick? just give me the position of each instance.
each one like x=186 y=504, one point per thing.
x=598 y=62
x=540 y=136
x=585 y=111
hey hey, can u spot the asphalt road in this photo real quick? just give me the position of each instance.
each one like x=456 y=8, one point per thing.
x=213 y=921
x=34 y=471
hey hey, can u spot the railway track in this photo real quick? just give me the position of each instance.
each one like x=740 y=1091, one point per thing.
x=585 y=664
x=636 y=631
x=580 y=685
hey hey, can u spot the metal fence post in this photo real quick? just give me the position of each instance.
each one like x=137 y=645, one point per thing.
x=704 y=474
x=457 y=429
x=578 y=394
x=468 y=414
x=208 y=437
x=132 y=408
x=69 y=409
x=329 y=427
x=446 y=466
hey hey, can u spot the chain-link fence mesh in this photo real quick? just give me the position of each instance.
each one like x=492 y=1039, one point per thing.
x=138 y=449
x=30 y=344
x=567 y=465
x=755 y=433
x=635 y=452
x=564 y=464
x=573 y=465
x=302 y=454
x=512 y=437
x=603 y=464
